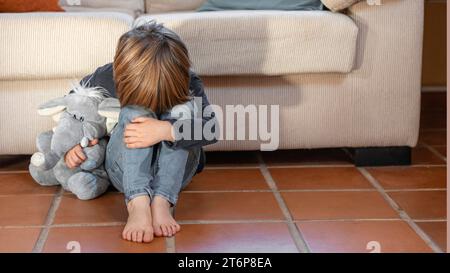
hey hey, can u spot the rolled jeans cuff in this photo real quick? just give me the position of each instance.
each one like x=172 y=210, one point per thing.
x=171 y=199
x=136 y=193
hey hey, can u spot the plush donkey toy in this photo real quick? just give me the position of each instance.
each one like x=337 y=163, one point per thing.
x=79 y=122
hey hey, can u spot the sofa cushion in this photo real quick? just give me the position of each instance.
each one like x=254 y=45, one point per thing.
x=160 y=6
x=58 y=45
x=132 y=7
x=264 y=42
x=215 y=5
x=29 y=5
x=337 y=5
x=132 y=13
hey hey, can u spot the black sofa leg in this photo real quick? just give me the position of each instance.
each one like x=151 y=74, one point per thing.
x=380 y=156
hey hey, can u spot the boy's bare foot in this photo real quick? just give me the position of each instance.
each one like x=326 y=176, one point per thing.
x=139 y=224
x=163 y=222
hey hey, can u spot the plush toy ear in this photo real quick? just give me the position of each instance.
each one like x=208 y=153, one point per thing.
x=57 y=117
x=110 y=109
x=52 y=107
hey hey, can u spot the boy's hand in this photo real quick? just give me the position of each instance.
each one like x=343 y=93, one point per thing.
x=144 y=132
x=75 y=156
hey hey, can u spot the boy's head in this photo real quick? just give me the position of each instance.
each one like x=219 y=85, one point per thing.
x=151 y=68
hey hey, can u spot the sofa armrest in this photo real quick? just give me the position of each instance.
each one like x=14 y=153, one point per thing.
x=388 y=64
x=390 y=36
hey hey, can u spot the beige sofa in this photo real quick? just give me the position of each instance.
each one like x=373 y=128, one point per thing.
x=349 y=79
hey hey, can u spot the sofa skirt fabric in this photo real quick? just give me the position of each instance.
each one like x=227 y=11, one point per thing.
x=322 y=111
x=316 y=111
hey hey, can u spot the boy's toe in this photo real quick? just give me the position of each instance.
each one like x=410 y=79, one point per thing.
x=169 y=231
x=174 y=229
x=124 y=234
x=140 y=234
x=148 y=236
x=157 y=230
x=164 y=230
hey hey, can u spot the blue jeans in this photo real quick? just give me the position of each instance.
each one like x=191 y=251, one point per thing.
x=154 y=171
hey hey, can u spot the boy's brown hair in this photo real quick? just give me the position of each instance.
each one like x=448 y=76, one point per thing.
x=151 y=68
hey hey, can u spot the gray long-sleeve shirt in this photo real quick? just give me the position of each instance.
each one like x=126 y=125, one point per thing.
x=104 y=77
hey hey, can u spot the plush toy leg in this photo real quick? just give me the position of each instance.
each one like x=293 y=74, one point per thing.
x=87 y=186
x=43 y=177
x=45 y=161
x=43 y=141
x=63 y=173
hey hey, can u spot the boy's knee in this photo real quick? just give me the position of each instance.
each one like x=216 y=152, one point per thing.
x=130 y=112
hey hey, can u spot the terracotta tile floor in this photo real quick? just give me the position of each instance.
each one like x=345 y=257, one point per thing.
x=285 y=201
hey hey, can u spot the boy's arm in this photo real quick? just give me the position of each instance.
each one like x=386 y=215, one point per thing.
x=199 y=130
x=103 y=77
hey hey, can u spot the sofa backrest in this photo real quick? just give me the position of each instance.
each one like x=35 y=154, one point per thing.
x=47 y=45
x=161 y=6
x=264 y=42
x=132 y=7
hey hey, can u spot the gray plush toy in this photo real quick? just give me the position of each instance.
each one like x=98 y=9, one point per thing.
x=79 y=121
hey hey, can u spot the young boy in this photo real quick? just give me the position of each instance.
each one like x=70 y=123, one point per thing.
x=147 y=158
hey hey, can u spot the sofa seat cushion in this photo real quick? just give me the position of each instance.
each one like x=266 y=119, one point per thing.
x=58 y=45
x=264 y=42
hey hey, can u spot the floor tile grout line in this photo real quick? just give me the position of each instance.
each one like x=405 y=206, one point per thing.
x=418 y=189
x=73 y=225
x=314 y=190
x=280 y=166
x=28 y=194
x=231 y=167
x=434 y=151
x=403 y=215
x=170 y=244
x=106 y=224
x=300 y=166
x=170 y=241
x=294 y=231
x=212 y=222
x=272 y=166
x=14 y=172
x=224 y=191
x=427 y=165
x=426 y=130
x=410 y=166
x=429 y=220
x=215 y=222
x=40 y=242
x=304 y=166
